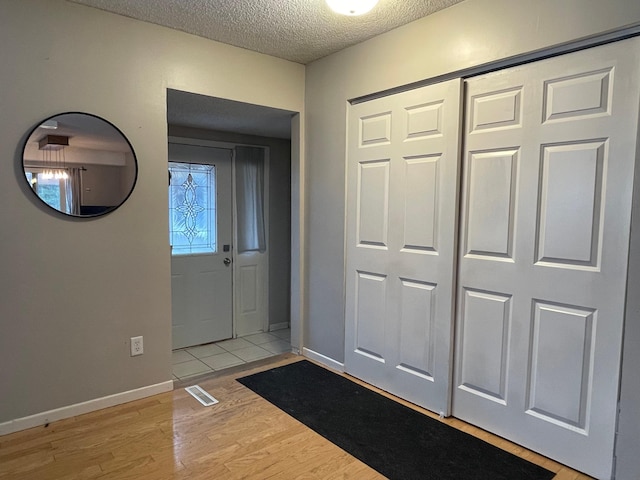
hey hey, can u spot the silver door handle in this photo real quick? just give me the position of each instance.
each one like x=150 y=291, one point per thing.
x=227 y=261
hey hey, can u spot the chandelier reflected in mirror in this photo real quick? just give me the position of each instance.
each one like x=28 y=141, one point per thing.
x=53 y=159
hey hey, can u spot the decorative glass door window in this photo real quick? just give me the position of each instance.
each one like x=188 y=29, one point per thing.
x=192 y=208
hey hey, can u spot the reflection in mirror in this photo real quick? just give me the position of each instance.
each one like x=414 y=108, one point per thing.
x=79 y=164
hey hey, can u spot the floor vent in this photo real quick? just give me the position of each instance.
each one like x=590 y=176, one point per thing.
x=203 y=397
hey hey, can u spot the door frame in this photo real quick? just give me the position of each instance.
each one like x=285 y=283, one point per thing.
x=231 y=146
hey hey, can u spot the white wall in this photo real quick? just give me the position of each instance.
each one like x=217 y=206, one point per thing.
x=73 y=292
x=469 y=34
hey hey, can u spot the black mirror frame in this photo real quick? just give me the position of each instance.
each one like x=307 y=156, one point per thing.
x=88 y=216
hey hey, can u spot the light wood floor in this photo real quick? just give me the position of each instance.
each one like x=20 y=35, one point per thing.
x=171 y=436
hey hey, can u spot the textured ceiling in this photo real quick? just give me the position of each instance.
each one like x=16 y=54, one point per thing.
x=298 y=30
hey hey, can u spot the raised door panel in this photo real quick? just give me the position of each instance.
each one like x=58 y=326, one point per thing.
x=424 y=120
x=571 y=203
x=248 y=289
x=417 y=322
x=491 y=198
x=483 y=348
x=373 y=203
x=371 y=295
x=250 y=293
x=375 y=129
x=561 y=364
x=421 y=203
x=580 y=95
x=495 y=110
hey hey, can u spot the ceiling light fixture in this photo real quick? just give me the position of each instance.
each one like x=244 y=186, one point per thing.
x=53 y=158
x=352 y=7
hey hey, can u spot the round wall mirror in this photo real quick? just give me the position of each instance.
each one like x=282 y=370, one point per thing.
x=79 y=164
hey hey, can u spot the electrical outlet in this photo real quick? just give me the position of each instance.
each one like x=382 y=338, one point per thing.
x=136 y=346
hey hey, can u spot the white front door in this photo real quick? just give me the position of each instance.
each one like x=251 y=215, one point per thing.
x=200 y=218
x=546 y=205
x=402 y=170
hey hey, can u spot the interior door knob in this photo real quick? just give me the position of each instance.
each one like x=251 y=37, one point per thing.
x=227 y=261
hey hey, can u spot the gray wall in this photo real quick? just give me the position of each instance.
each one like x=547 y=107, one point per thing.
x=469 y=34
x=72 y=293
x=279 y=212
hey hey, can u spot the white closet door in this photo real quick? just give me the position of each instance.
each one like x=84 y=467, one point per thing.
x=402 y=170
x=548 y=172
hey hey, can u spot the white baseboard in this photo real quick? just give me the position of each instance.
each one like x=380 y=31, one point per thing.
x=278 y=326
x=323 y=359
x=85 y=407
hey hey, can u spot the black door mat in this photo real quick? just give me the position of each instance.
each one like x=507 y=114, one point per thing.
x=393 y=439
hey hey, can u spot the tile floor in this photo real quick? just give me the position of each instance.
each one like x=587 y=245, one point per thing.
x=193 y=361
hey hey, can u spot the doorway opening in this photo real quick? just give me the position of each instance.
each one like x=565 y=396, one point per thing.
x=224 y=296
